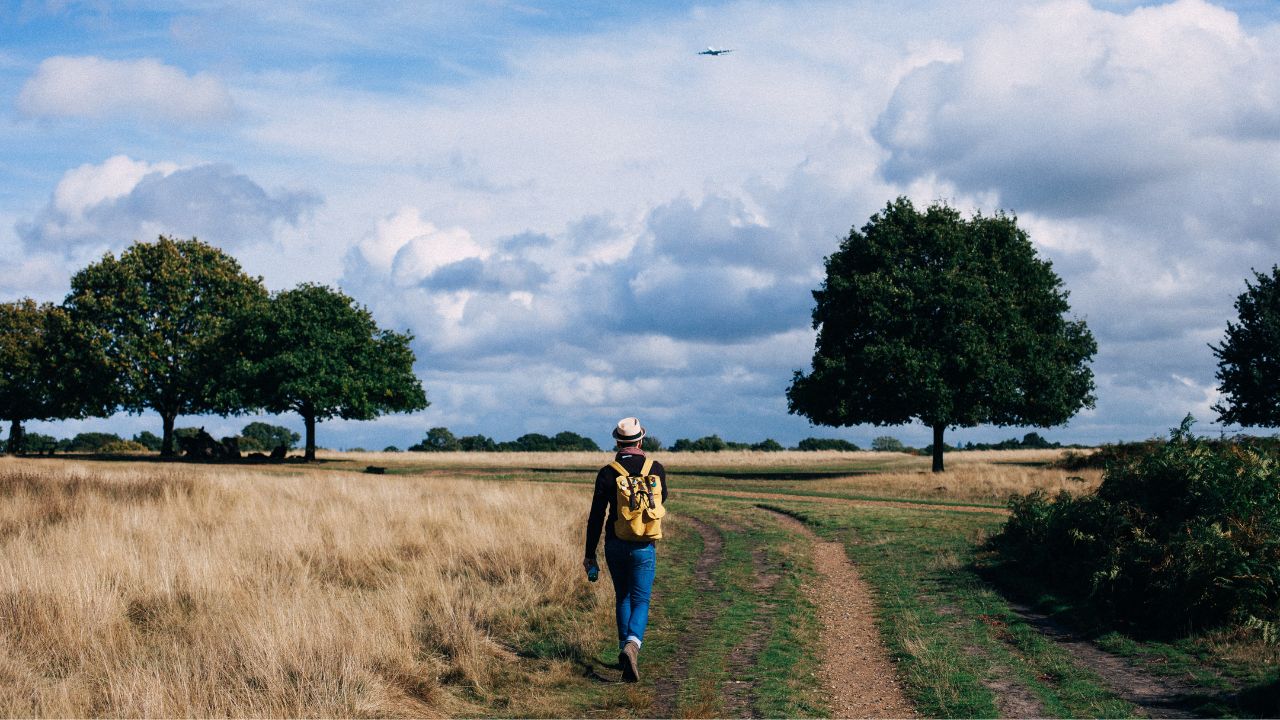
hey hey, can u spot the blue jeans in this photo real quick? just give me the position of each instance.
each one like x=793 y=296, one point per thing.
x=632 y=566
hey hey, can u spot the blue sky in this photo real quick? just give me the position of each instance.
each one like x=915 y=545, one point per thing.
x=579 y=218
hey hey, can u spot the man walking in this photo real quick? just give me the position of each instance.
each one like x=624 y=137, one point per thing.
x=631 y=492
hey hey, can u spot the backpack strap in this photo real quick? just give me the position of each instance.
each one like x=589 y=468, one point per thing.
x=621 y=470
x=648 y=465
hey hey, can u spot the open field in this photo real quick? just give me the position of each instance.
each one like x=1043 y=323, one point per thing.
x=452 y=586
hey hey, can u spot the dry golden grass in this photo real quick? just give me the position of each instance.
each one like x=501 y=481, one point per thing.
x=160 y=590
x=783 y=460
x=972 y=481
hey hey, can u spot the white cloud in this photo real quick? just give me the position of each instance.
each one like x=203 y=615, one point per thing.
x=146 y=89
x=89 y=185
x=104 y=207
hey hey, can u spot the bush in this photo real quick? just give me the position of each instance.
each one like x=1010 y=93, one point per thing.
x=710 y=443
x=1181 y=537
x=122 y=447
x=391 y=448
x=814 y=444
x=569 y=441
x=438 y=439
x=92 y=441
x=261 y=436
x=768 y=445
x=887 y=443
x=149 y=440
x=650 y=444
x=39 y=444
x=476 y=443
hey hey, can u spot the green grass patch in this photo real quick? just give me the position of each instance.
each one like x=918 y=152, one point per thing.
x=952 y=636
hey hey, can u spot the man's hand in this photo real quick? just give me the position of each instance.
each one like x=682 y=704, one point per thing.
x=587 y=563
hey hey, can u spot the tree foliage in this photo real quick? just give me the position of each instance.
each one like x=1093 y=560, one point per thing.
x=263 y=436
x=47 y=368
x=314 y=351
x=1249 y=357
x=952 y=322
x=887 y=443
x=438 y=439
x=161 y=312
x=815 y=444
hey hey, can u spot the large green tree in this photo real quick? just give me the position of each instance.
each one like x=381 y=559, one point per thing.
x=1249 y=357
x=48 y=370
x=161 y=312
x=950 y=321
x=315 y=352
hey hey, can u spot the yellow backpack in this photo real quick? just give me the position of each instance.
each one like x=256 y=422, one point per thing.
x=639 y=503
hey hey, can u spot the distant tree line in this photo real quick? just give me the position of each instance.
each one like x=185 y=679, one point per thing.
x=440 y=439
x=177 y=327
x=256 y=436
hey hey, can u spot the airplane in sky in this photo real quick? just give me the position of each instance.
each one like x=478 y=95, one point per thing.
x=714 y=51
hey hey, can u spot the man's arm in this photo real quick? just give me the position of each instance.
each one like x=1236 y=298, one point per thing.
x=595 y=519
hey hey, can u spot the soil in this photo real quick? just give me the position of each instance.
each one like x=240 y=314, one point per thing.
x=856 y=671
x=666 y=689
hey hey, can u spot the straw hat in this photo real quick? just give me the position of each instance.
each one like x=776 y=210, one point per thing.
x=628 y=431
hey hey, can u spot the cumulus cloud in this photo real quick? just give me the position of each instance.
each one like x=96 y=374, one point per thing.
x=146 y=89
x=107 y=206
x=1070 y=108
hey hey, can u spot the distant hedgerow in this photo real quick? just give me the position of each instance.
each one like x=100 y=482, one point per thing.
x=1181 y=536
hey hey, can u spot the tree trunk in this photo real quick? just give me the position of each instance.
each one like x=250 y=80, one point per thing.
x=937 y=447
x=166 y=444
x=15 y=437
x=310 y=419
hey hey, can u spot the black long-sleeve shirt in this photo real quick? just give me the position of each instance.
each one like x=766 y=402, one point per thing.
x=606 y=492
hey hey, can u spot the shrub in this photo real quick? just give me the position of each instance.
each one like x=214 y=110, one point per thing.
x=569 y=441
x=814 y=444
x=438 y=439
x=92 y=441
x=261 y=436
x=391 y=448
x=710 y=443
x=650 y=444
x=887 y=443
x=40 y=444
x=149 y=440
x=121 y=447
x=1183 y=536
x=768 y=445
x=476 y=443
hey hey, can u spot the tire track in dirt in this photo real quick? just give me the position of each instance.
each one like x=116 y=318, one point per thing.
x=1156 y=696
x=667 y=690
x=856 y=671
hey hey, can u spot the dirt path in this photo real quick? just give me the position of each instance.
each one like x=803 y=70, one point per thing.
x=667 y=689
x=856 y=671
x=1158 y=697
